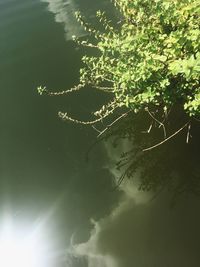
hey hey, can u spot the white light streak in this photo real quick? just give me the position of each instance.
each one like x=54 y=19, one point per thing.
x=21 y=249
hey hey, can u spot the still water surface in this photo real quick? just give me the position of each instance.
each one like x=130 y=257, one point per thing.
x=44 y=179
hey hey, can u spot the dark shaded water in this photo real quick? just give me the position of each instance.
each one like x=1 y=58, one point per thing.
x=42 y=161
x=44 y=178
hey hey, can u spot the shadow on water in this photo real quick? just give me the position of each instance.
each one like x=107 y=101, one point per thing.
x=143 y=229
x=172 y=165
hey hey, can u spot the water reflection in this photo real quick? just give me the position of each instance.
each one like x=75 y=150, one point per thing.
x=172 y=165
x=44 y=177
x=43 y=174
x=143 y=229
x=145 y=234
x=63 y=11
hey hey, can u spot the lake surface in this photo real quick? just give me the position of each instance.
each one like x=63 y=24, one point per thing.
x=46 y=182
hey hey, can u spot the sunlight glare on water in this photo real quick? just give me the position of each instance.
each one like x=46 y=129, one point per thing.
x=21 y=249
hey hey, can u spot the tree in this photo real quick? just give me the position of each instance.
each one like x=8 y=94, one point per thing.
x=149 y=61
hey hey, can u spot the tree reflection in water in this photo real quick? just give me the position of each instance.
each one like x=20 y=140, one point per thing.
x=171 y=166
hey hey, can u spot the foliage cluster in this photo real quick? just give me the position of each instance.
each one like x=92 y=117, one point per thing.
x=150 y=59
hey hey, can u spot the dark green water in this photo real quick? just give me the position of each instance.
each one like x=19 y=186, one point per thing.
x=42 y=161
x=44 y=178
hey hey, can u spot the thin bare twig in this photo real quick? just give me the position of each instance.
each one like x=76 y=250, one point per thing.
x=166 y=114
x=188 y=134
x=165 y=140
x=149 y=129
x=159 y=122
x=101 y=137
x=115 y=121
x=96 y=129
